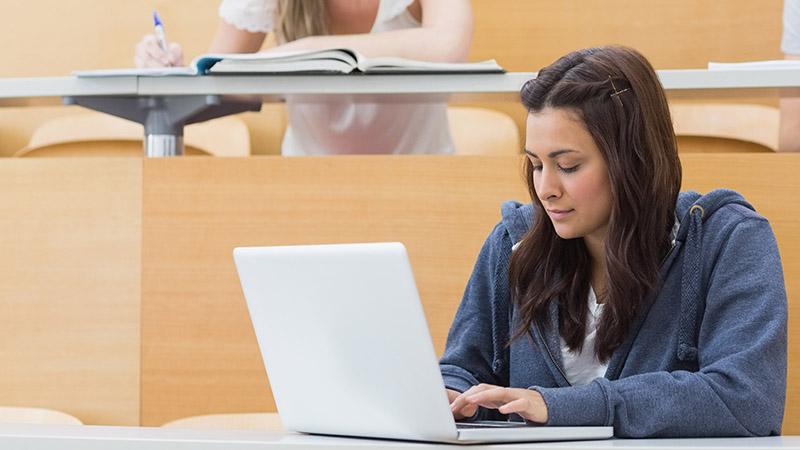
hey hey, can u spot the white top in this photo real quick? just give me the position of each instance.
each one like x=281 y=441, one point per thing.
x=582 y=367
x=790 y=42
x=340 y=125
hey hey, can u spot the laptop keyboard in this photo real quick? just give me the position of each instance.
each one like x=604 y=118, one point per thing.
x=490 y=424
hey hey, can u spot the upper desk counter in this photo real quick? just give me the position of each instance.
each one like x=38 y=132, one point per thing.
x=163 y=105
x=72 y=437
x=277 y=87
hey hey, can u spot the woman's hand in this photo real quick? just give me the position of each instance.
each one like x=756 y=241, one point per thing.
x=526 y=402
x=150 y=54
x=461 y=412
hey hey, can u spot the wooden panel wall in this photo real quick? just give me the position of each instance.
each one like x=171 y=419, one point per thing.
x=199 y=352
x=523 y=35
x=528 y=35
x=70 y=271
x=70 y=287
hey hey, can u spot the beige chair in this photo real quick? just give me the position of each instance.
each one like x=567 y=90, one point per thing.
x=98 y=134
x=739 y=127
x=244 y=421
x=483 y=131
x=13 y=414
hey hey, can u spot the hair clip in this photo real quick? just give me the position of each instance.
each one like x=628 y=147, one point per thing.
x=616 y=92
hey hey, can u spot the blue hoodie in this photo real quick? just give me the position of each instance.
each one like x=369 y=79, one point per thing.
x=705 y=355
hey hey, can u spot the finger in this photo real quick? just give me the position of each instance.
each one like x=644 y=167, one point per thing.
x=452 y=395
x=152 y=51
x=491 y=398
x=458 y=404
x=149 y=63
x=175 y=54
x=143 y=45
x=461 y=401
x=518 y=406
x=465 y=412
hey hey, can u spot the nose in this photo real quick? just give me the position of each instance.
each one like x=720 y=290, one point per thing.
x=548 y=185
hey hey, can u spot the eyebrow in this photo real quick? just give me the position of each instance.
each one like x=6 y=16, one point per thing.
x=551 y=154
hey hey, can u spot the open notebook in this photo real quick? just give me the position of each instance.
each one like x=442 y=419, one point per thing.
x=330 y=61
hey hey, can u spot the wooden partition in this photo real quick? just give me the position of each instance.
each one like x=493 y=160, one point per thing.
x=70 y=240
x=119 y=297
x=199 y=351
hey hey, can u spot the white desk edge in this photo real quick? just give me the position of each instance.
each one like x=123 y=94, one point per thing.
x=509 y=83
x=66 y=437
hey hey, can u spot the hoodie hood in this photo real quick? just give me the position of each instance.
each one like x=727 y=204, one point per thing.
x=692 y=210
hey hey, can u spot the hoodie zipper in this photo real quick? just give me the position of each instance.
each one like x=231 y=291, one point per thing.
x=550 y=354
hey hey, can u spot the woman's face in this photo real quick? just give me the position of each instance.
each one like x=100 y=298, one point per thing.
x=570 y=175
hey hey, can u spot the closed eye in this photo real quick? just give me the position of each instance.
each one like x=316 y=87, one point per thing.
x=569 y=169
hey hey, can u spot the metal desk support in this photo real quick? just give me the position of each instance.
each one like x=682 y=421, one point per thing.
x=164 y=117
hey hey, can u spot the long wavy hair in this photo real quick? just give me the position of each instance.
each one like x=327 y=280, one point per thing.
x=617 y=95
x=301 y=18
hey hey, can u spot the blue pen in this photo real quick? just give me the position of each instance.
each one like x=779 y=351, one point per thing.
x=159 y=29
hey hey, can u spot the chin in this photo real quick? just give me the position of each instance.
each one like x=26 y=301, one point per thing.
x=567 y=233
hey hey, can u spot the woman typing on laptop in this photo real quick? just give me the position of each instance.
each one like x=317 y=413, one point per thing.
x=612 y=299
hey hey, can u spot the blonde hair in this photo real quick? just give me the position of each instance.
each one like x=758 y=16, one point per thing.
x=300 y=18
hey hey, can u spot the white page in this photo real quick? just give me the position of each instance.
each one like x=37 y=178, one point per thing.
x=134 y=72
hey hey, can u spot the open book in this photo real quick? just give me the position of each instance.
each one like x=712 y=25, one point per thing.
x=335 y=60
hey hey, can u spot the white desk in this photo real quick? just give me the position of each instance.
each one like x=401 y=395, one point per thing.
x=50 y=90
x=165 y=104
x=51 y=437
x=275 y=87
x=484 y=85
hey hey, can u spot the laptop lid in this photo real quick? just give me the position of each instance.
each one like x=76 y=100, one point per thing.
x=344 y=340
x=347 y=349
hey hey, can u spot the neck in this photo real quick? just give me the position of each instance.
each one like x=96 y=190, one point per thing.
x=596 y=249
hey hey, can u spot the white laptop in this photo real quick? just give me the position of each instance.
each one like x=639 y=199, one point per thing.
x=347 y=348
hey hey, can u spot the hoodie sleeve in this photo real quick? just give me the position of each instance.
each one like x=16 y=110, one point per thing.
x=739 y=389
x=476 y=349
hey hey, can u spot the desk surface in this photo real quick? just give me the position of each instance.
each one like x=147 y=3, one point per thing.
x=19 y=91
x=46 y=437
x=274 y=87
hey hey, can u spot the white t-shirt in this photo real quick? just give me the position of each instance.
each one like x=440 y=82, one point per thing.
x=790 y=43
x=582 y=367
x=341 y=124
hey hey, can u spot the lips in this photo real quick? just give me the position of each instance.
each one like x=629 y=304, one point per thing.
x=558 y=214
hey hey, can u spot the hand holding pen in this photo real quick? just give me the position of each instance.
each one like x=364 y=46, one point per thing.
x=154 y=50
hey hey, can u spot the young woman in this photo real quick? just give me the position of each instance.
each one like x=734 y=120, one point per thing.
x=612 y=299
x=430 y=30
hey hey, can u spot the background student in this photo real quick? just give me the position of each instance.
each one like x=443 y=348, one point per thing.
x=612 y=299
x=433 y=30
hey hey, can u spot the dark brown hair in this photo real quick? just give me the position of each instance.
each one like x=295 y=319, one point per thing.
x=615 y=93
